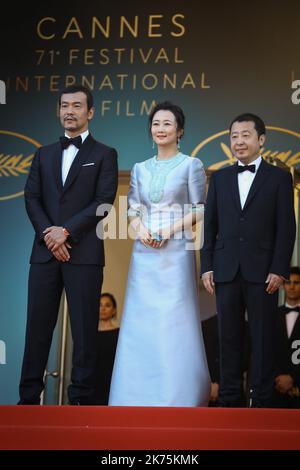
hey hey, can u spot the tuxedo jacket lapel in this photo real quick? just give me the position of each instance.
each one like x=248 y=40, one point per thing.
x=296 y=330
x=260 y=177
x=78 y=161
x=57 y=160
x=282 y=325
x=235 y=187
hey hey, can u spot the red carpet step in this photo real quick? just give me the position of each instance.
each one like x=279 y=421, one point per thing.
x=134 y=428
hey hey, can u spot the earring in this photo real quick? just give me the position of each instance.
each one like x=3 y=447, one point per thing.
x=178 y=142
x=153 y=144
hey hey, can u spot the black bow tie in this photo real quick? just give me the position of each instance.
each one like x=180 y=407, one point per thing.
x=241 y=168
x=292 y=309
x=65 y=141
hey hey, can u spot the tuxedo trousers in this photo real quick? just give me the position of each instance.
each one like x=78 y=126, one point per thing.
x=234 y=299
x=82 y=284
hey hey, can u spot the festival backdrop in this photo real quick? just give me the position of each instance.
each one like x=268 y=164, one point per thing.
x=215 y=59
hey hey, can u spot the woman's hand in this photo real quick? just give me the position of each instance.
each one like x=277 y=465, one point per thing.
x=144 y=235
x=157 y=240
x=161 y=237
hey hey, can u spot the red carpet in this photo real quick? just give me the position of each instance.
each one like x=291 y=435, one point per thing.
x=71 y=427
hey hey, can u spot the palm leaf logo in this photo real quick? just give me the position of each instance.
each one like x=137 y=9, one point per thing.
x=14 y=165
x=286 y=157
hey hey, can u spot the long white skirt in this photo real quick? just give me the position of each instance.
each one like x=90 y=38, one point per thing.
x=160 y=358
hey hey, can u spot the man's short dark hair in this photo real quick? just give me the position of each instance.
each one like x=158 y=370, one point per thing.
x=76 y=89
x=259 y=124
x=295 y=270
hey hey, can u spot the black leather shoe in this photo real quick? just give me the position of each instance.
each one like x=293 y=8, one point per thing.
x=74 y=403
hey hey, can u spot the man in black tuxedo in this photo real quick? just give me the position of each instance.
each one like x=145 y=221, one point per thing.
x=68 y=181
x=249 y=233
x=287 y=381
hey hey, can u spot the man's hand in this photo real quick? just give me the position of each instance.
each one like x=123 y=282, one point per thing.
x=208 y=281
x=214 y=391
x=54 y=237
x=62 y=253
x=274 y=282
x=284 y=383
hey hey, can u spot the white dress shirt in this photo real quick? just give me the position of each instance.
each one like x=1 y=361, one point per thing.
x=68 y=156
x=290 y=319
x=245 y=180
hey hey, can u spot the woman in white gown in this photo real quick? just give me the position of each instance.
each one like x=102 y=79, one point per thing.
x=160 y=358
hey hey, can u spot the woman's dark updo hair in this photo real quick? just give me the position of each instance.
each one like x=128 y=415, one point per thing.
x=168 y=106
x=111 y=297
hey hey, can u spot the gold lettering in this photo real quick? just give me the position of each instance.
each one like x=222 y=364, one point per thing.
x=145 y=78
x=103 y=54
x=73 y=27
x=105 y=106
x=128 y=113
x=89 y=56
x=96 y=22
x=147 y=109
x=22 y=83
x=39 y=28
x=152 y=25
x=54 y=85
x=106 y=82
x=127 y=27
x=133 y=30
x=119 y=53
x=73 y=54
x=131 y=60
x=38 y=79
x=134 y=82
x=181 y=28
x=122 y=76
x=188 y=81
x=145 y=58
x=176 y=58
x=167 y=80
x=111 y=82
x=89 y=83
x=203 y=85
x=70 y=80
x=162 y=55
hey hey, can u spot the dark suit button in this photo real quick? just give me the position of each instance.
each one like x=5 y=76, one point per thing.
x=241 y=239
x=242 y=219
